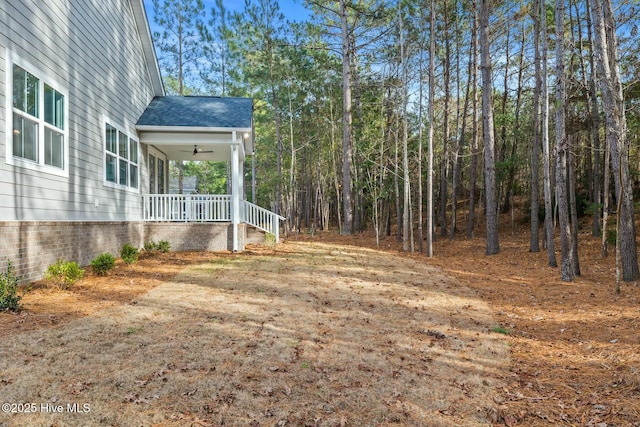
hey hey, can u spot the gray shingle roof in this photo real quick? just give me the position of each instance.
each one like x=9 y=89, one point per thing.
x=198 y=111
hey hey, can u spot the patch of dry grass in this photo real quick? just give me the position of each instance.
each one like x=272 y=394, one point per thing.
x=306 y=335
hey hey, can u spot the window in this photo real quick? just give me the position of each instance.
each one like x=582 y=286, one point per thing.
x=152 y=174
x=121 y=158
x=39 y=130
x=156 y=174
x=160 y=176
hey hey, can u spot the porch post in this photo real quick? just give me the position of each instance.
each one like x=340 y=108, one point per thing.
x=243 y=196
x=235 y=190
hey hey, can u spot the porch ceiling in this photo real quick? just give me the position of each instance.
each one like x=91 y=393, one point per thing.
x=208 y=145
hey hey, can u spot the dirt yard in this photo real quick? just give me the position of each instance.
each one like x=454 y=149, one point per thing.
x=309 y=334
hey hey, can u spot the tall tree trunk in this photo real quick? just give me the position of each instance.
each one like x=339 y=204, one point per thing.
x=334 y=164
x=593 y=111
x=574 y=210
x=473 y=172
x=405 y=139
x=616 y=128
x=605 y=199
x=347 y=149
x=293 y=183
x=491 y=202
x=548 y=210
x=562 y=151
x=396 y=183
x=444 y=166
x=618 y=240
x=431 y=113
x=379 y=200
x=276 y=113
x=180 y=93
x=420 y=143
x=308 y=188
x=534 y=242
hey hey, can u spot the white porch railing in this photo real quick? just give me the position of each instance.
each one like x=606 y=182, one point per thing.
x=207 y=208
x=186 y=208
x=261 y=218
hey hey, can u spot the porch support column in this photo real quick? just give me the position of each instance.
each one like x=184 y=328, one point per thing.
x=243 y=196
x=236 y=190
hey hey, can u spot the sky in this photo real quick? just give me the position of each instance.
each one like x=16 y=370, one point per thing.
x=293 y=10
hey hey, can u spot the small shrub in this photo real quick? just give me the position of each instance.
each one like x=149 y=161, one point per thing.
x=129 y=254
x=150 y=246
x=592 y=207
x=9 y=298
x=103 y=263
x=583 y=205
x=270 y=240
x=163 y=246
x=64 y=273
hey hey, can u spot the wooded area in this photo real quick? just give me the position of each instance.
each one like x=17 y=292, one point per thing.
x=528 y=104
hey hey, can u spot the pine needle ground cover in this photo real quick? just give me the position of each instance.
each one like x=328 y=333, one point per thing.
x=574 y=358
x=305 y=334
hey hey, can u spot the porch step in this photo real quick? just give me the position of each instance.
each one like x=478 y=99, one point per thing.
x=254 y=236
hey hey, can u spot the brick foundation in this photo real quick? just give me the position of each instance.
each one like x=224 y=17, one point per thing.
x=33 y=246
x=185 y=236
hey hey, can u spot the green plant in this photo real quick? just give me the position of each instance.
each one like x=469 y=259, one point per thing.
x=163 y=246
x=9 y=298
x=150 y=246
x=103 y=263
x=500 y=330
x=133 y=330
x=592 y=207
x=129 y=254
x=270 y=240
x=582 y=205
x=64 y=273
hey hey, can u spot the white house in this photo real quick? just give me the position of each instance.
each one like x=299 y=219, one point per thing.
x=86 y=134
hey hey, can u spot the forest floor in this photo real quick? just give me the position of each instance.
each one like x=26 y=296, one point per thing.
x=575 y=357
x=330 y=330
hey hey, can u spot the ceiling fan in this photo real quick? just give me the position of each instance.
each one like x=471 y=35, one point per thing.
x=197 y=150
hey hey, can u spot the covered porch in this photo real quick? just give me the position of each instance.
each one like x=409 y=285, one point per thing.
x=205 y=129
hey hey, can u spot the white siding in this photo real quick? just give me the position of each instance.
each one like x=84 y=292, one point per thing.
x=3 y=99
x=93 y=50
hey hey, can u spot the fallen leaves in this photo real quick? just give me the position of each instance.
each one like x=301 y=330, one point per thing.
x=135 y=398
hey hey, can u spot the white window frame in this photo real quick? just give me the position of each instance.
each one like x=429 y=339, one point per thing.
x=44 y=79
x=119 y=158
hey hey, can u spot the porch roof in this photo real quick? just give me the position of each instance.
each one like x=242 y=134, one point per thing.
x=197 y=127
x=198 y=111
